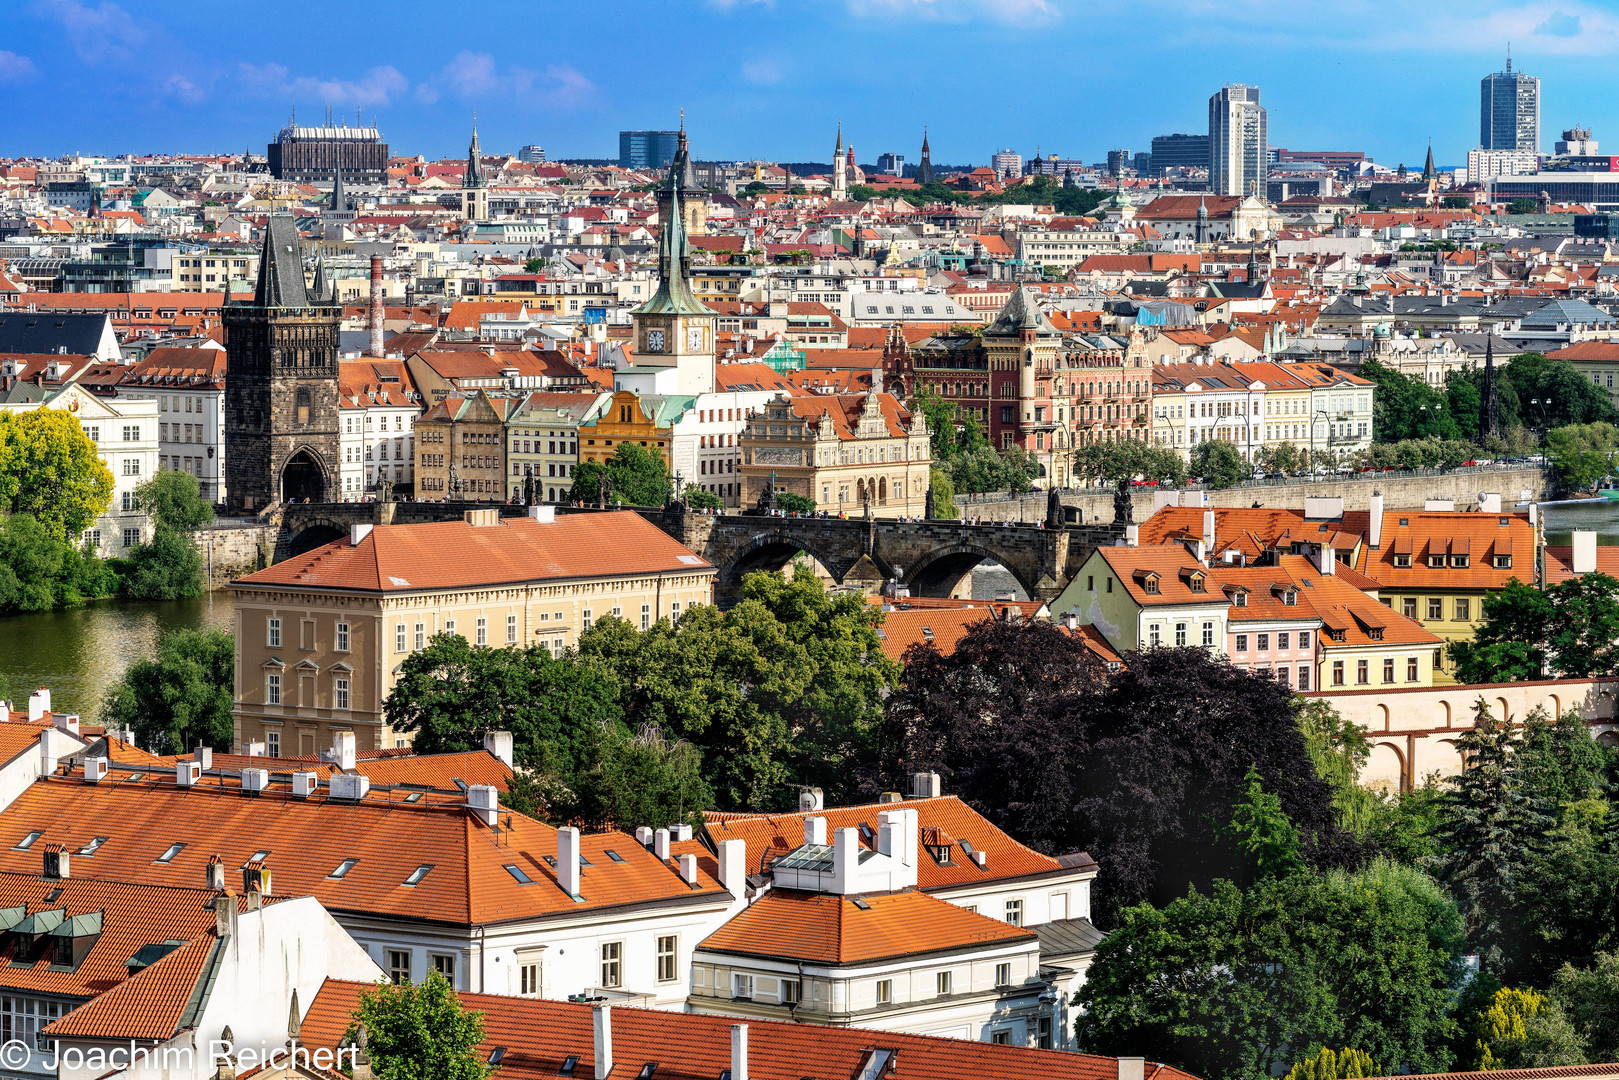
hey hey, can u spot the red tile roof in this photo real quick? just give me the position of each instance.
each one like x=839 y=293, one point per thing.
x=456 y=555
x=539 y=1035
x=1478 y=535
x=824 y=928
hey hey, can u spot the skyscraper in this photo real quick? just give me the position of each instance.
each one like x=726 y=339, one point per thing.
x=1509 y=111
x=1237 y=135
x=646 y=149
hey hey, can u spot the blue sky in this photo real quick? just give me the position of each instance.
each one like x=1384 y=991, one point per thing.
x=771 y=78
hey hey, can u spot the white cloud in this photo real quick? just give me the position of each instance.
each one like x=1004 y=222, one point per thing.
x=14 y=68
x=761 y=72
x=472 y=75
x=378 y=86
x=96 y=34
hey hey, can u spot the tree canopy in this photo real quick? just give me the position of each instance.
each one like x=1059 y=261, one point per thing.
x=1570 y=628
x=419 y=1031
x=50 y=470
x=181 y=697
x=1582 y=454
x=1118 y=463
x=1217 y=463
x=637 y=474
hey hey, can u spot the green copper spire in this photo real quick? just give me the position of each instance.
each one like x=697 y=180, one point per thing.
x=674 y=295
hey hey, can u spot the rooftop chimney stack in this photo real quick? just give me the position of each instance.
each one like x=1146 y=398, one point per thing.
x=95 y=769
x=1208 y=531
x=815 y=830
x=925 y=785
x=216 y=873
x=305 y=783
x=568 y=860
x=739 y=1052
x=39 y=703
x=376 y=306
x=643 y=836
x=484 y=802
x=225 y=915
x=343 y=752
x=187 y=772
x=845 y=861
x=204 y=756
x=1583 y=553
x=660 y=844
x=56 y=862
x=499 y=743
x=734 y=866
x=1374 y=529
x=1132 y=1068
x=688 y=869
x=601 y=1022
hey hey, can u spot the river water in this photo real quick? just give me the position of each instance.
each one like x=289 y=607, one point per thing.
x=79 y=653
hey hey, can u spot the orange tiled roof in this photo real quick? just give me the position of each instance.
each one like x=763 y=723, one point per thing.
x=538 y=1035
x=1174 y=568
x=456 y=555
x=770 y=836
x=828 y=929
x=306 y=839
x=1441 y=532
x=1560 y=562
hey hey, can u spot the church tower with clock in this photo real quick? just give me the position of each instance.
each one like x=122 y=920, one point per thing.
x=674 y=331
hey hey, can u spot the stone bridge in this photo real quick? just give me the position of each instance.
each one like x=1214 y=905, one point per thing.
x=931 y=557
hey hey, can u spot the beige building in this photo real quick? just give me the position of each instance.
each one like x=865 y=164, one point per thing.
x=320 y=637
x=461 y=448
x=842 y=450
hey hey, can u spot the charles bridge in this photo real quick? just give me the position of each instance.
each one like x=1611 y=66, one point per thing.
x=931 y=557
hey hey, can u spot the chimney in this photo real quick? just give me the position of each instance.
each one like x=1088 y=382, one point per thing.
x=1489 y=502
x=1208 y=530
x=499 y=743
x=1132 y=1068
x=660 y=844
x=679 y=833
x=305 y=783
x=68 y=722
x=357 y=533
x=811 y=800
x=256 y=879
x=734 y=865
x=1327 y=560
x=56 y=862
x=483 y=801
x=225 y=915
x=545 y=515
x=1584 y=552
x=1132 y=536
x=925 y=785
x=688 y=869
x=376 y=305
x=568 y=860
x=39 y=703
x=1374 y=536
x=343 y=750
x=845 y=860
x=187 y=772
x=204 y=756
x=254 y=749
x=739 y=1052
x=601 y=1022
x=643 y=836
x=95 y=769
x=216 y=873
x=815 y=830
x=981 y=857
x=350 y=786
x=255 y=779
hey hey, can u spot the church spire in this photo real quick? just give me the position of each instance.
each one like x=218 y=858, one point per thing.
x=1428 y=172
x=474 y=178
x=674 y=295
x=924 y=168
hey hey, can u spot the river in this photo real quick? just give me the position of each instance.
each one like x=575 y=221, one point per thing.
x=78 y=653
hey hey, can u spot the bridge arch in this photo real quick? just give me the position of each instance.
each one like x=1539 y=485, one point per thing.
x=939 y=570
x=312 y=532
x=773 y=550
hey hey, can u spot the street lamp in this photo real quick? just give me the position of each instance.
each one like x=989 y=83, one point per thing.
x=1437 y=406
x=1541 y=405
x=1318 y=412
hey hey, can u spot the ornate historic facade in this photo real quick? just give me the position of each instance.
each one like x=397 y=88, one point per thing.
x=281 y=389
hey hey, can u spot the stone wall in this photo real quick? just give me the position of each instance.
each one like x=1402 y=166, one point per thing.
x=1399 y=493
x=233 y=548
x=1414 y=731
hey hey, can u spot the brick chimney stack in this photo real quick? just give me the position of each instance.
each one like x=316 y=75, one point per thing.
x=376 y=306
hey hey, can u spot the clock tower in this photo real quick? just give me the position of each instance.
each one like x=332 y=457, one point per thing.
x=674 y=330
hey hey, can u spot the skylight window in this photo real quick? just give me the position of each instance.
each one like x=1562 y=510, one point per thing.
x=257 y=856
x=93 y=846
x=136 y=776
x=28 y=841
x=647 y=1070
x=496 y=1055
x=342 y=870
x=414 y=796
x=169 y=854
x=417 y=874
x=517 y=874
x=569 y=1063
x=615 y=856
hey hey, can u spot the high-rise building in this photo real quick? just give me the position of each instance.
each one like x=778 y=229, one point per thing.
x=1143 y=163
x=1006 y=163
x=1179 y=152
x=1576 y=142
x=533 y=154
x=315 y=153
x=891 y=164
x=647 y=149
x=1117 y=161
x=1509 y=111
x=1237 y=134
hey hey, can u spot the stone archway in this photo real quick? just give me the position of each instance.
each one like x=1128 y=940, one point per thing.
x=303 y=477
x=941 y=570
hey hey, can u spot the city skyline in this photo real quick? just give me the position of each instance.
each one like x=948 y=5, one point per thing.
x=755 y=78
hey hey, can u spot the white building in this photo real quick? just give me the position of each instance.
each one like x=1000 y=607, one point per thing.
x=1485 y=165
x=188 y=386
x=378 y=406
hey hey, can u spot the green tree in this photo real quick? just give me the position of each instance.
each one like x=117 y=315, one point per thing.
x=1589 y=997
x=167 y=567
x=951 y=431
x=638 y=475
x=1233 y=984
x=1283 y=458
x=794 y=504
x=1404 y=407
x=982 y=468
x=701 y=499
x=1522 y=206
x=1489 y=831
x=944 y=494
x=1523 y=1029
x=174 y=501
x=180 y=698
x=54 y=472
x=1570 y=627
x=1121 y=462
x=1265 y=838
x=641 y=778
x=533 y=265
x=1347 y=1064
x=39 y=572
x=1582 y=454
x=419 y=1031
x=1217 y=464
x=1338 y=750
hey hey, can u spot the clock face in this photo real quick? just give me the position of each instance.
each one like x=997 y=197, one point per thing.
x=654 y=340
x=694 y=338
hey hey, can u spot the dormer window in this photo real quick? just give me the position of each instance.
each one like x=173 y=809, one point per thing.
x=1197 y=583
x=1375 y=633
x=1459 y=561
x=1435 y=561
x=1402 y=562
x=1240 y=599
x=1289 y=597
x=1150 y=584
x=1503 y=562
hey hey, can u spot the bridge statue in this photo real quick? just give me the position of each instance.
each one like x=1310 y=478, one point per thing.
x=1124 y=510
x=604 y=489
x=928 y=505
x=385 y=490
x=1054 y=511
